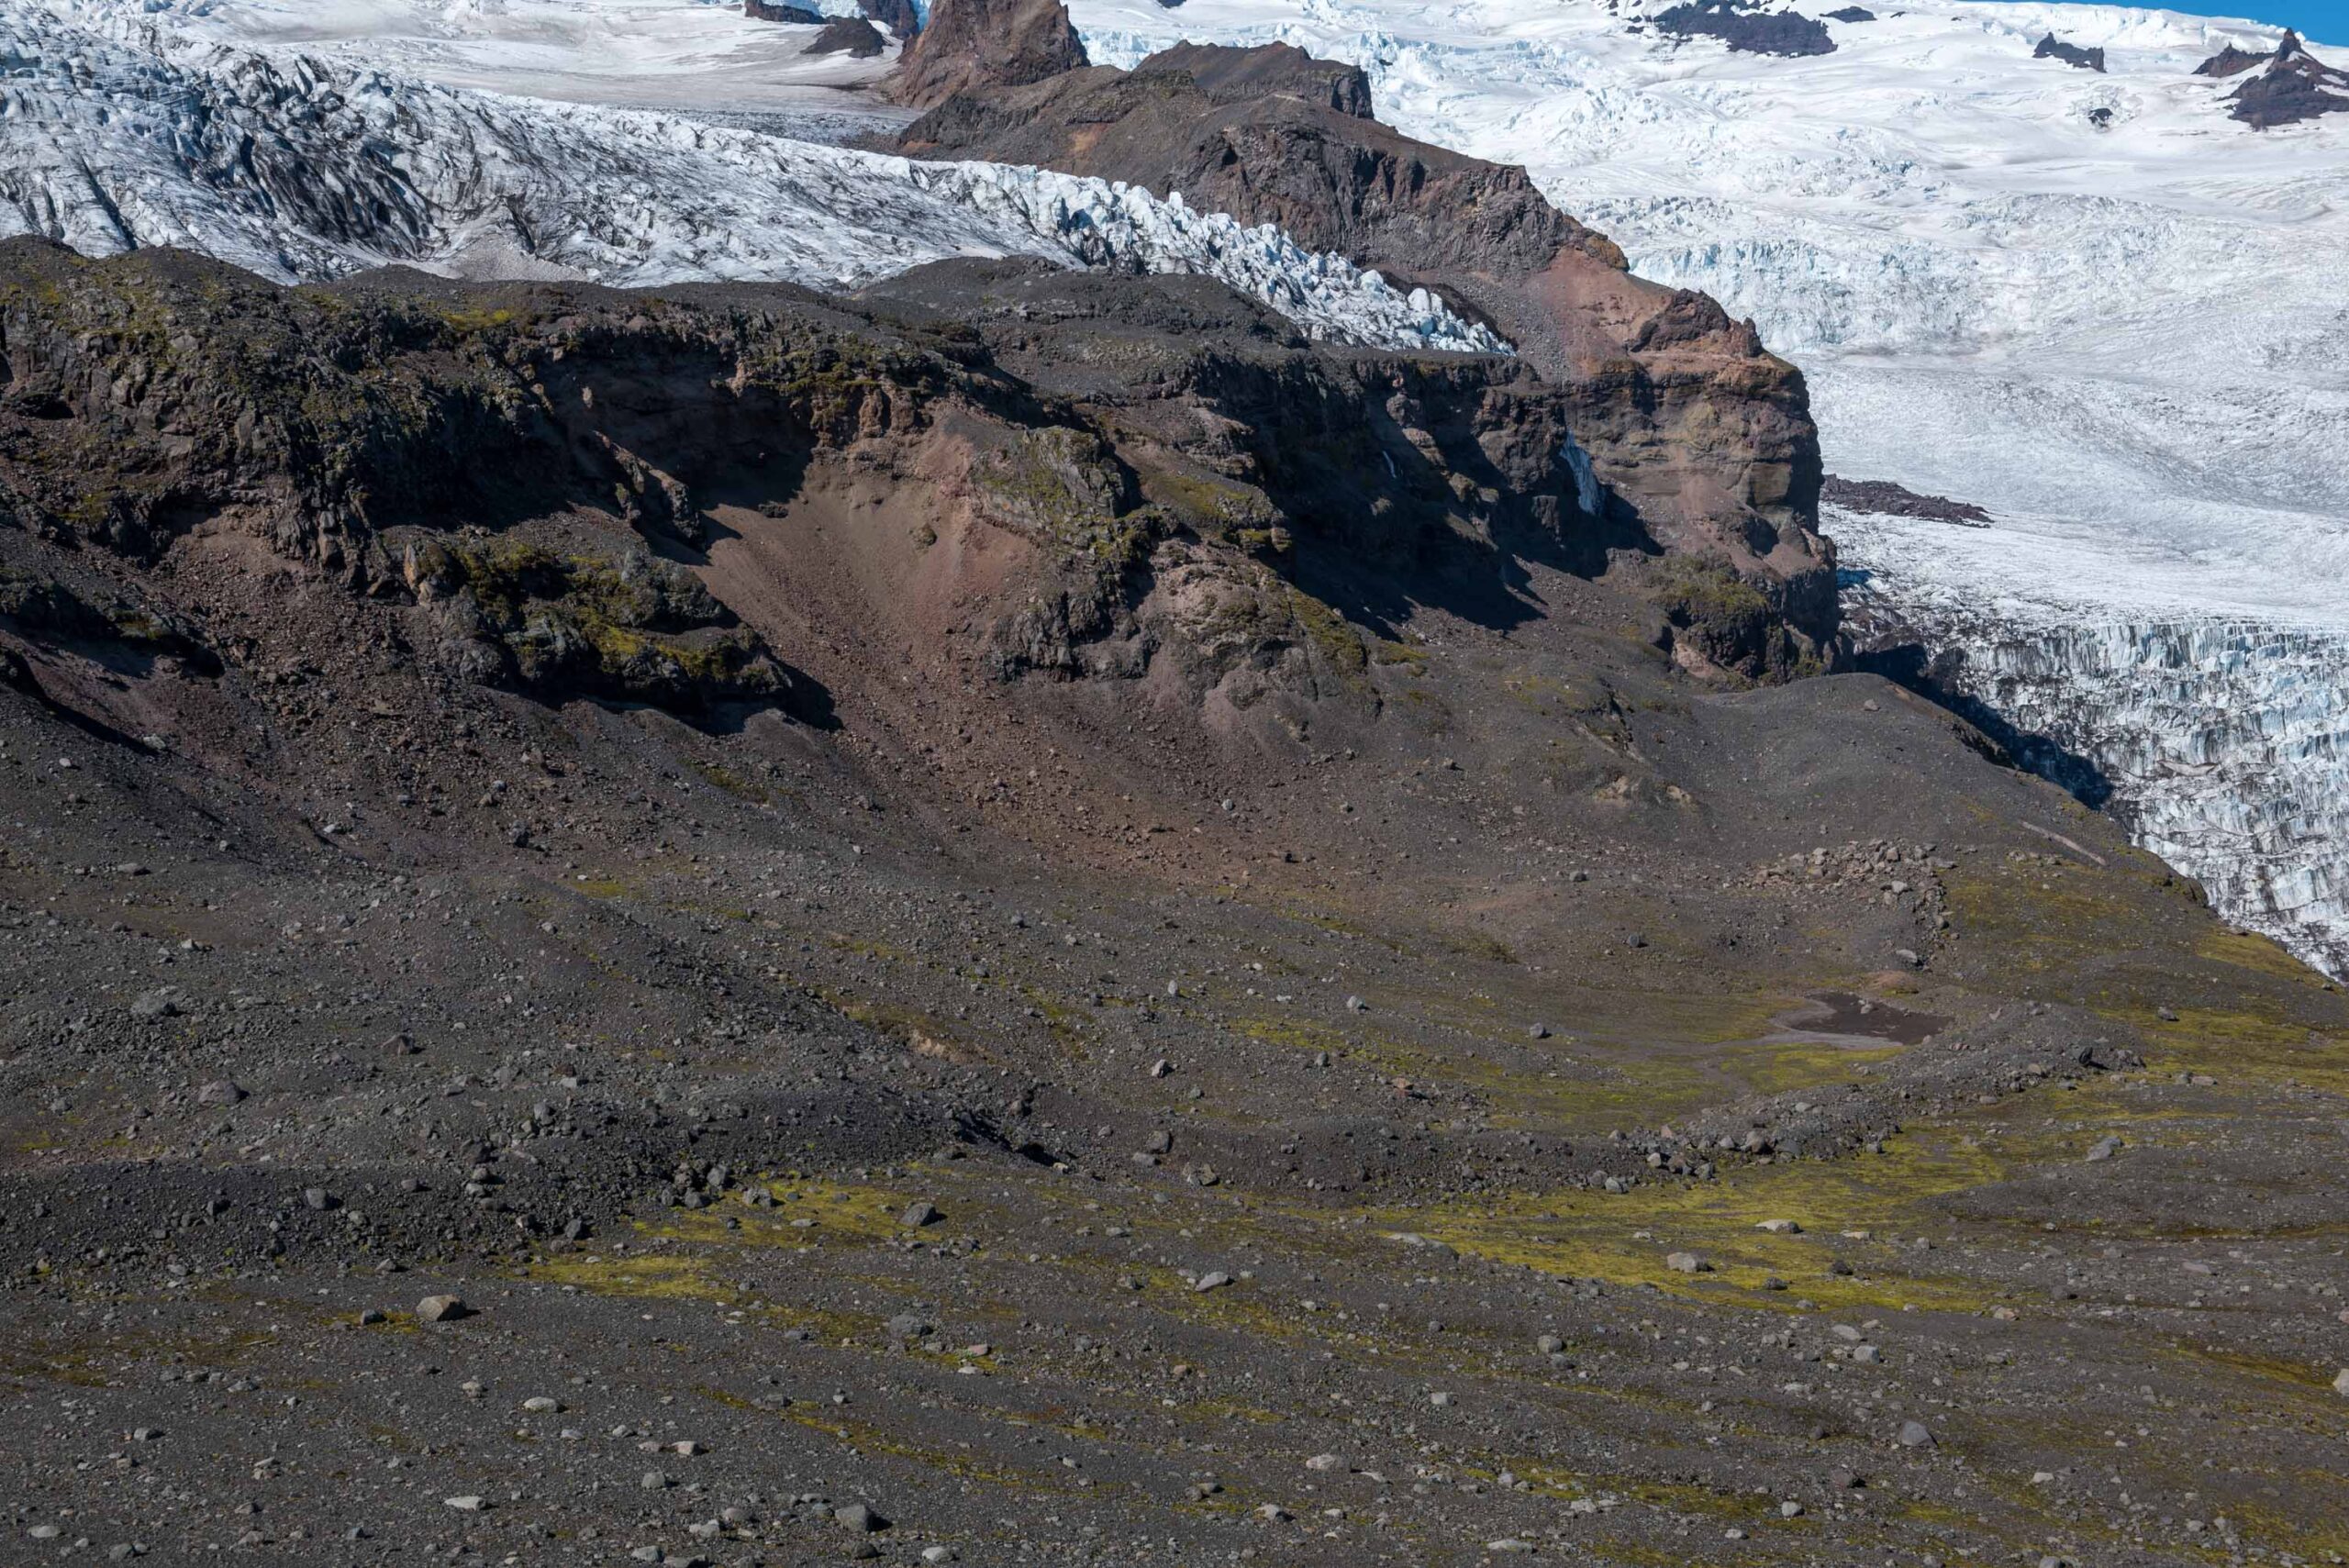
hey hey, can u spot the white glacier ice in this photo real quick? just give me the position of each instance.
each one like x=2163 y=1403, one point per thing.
x=657 y=53
x=2130 y=341
x=124 y=133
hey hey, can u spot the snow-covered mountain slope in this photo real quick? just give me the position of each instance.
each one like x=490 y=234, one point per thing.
x=126 y=134
x=668 y=54
x=2089 y=302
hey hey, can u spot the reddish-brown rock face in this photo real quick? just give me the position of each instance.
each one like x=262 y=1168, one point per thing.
x=1690 y=425
x=974 y=44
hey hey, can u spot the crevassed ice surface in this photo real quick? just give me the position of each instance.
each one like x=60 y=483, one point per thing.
x=663 y=53
x=117 y=130
x=2131 y=344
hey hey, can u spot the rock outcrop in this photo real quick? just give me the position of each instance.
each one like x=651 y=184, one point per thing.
x=1751 y=32
x=2230 y=62
x=1883 y=497
x=2296 y=86
x=2072 y=54
x=1683 y=425
x=1168 y=481
x=974 y=44
x=367 y=437
x=852 y=36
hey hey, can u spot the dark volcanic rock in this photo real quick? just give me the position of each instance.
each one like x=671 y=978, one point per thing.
x=852 y=35
x=259 y=412
x=775 y=11
x=1226 y=77
x=1894 y=500
x=985 y=43
x=1692 y=432
x=2295 y=86
x=2052 y=48
x=1159 y=415
x=1852 y=14
x=2230 y=62
x=1749 y=32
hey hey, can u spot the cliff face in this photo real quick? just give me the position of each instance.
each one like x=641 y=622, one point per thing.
x=1690 y=430
x=1146 y=480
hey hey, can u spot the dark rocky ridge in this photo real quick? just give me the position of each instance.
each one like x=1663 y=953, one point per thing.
x=1695 y=435
x=1284 y=476
x=1898 y=500
x=2296 y=86
x=1747 y=30
x=2052 y=48
x=2230 y=62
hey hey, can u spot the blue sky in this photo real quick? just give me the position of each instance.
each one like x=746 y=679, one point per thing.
x=2324 y=20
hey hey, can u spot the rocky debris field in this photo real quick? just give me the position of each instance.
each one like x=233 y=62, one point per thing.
x=1196 y=987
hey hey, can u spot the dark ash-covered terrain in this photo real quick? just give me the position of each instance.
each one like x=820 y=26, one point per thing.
x=1023 y=919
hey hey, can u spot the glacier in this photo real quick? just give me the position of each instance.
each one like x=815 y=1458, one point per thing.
x=117 y=132
x=2090 y=303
